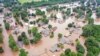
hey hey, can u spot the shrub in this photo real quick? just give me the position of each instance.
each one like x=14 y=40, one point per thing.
x=7 y=26
x=52 y=35
x=23 y=53
x=60 y=35
x=1 y=50
x=19 y=38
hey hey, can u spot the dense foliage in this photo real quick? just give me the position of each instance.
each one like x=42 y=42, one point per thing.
x=88 y=12
x=59 y=35
x=68 y=52
x=1 y=41
x=43 y=20
x=36 y=35
x=24 y=15
x=24 y=38
x=39 y=12
x=7 y=26
x=98 y=12
x=80 y=12
x=68 y=12
x=80 y=48
x=12 y=43
x=51 y=34
x=1 y=50
x=49 y=2
x=93 y=47
x=92 y=34
x=23 y=53
x=9 y=3
x=1 y=36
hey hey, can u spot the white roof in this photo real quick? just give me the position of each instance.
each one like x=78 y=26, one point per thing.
x=59 y=15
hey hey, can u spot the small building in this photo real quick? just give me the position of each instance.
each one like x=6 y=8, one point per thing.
x=65 y=40
x=16 y=31
x=55 y=48
x=20 y=44
x=45 y=32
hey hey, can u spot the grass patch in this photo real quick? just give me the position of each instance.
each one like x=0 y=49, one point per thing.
x=25 y=1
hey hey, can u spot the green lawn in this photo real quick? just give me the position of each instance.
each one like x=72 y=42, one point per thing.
x=24 y=1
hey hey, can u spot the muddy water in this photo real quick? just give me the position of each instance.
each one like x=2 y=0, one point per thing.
x=7 y=50
x=43 y=47
x=46 y=43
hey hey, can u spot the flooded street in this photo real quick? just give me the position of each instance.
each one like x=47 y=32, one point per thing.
x=7 y=50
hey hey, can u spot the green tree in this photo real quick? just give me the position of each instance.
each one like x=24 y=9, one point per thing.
x=7 y=25
x=71 y=25
x=12 y=43
x=89 y=12
x=73 y=54
x=68 y=12
x=25 y=41
x=23 y=53
x=24 y=15
x=59 y=35
x=24 y=38
x=67 y=51
x=49 y=26
x=98 y=12
x=88 y=31
x=80 y=48
x=44 y=20
x=1 y=30
x=1 y=38
x=51 y=34
x=80 y=54
x=34 y=30
x=37 y=37
x=1 y=50
x=39 y=12
x=90 y=20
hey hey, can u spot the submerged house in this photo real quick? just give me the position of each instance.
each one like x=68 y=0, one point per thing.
x=55 y=48
x=64 y=40
x=45 y=32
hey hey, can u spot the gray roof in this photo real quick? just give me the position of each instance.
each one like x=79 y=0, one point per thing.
x=55 y=48
x=64 y=40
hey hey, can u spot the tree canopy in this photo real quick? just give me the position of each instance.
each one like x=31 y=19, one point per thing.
x=23 y=53
x=92 y=34
x=12 y=43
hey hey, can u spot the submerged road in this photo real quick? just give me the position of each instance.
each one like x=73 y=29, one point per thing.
x=7 y=50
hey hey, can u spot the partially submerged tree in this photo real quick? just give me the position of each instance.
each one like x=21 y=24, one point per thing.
x=12 y=43
x=7 y=26
x=36 y=35
x=49 y=26
x=23 y=53
x=1 y=50
x=39 y=12
x=68 y=12
x=59 y=35
x=80 y=48
x=51 y=34
x=24 y=38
